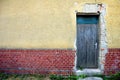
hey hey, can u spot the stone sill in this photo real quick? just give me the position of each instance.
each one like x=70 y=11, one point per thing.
x=88 y=71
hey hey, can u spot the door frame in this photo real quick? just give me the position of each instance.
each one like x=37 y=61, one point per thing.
x=99 y=30
x=98 y=34
x=103 y=43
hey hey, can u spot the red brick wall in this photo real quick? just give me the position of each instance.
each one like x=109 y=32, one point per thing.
x=37 y=61
x=112 y=61
x=49 y=61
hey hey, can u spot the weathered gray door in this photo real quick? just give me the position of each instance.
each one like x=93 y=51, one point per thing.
x=87 y=41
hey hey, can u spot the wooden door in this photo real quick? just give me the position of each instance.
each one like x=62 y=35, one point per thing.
x=87 y=41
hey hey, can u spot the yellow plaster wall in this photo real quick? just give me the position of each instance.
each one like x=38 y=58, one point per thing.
x=113 y=23
x=49 y=23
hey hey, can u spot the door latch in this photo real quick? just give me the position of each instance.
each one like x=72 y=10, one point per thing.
x=96 y=45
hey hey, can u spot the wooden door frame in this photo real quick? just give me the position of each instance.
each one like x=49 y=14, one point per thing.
x=103 y=43
x=90 y=14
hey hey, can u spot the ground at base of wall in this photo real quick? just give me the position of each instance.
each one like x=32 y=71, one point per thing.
x=5 y=76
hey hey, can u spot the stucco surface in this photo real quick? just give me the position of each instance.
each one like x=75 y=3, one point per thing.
x=50 y=23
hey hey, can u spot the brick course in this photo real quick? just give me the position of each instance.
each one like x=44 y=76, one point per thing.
x=37 y=61
x=112 y=61
x=49 y=61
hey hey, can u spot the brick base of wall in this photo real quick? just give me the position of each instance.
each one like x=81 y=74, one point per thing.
x=112 y=62
x=49 y=61
x=37 y=61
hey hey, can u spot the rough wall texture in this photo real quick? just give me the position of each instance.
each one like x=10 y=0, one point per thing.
x=49 y=24
x=37 y=61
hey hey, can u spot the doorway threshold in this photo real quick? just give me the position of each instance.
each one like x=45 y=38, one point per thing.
x=88 y=72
